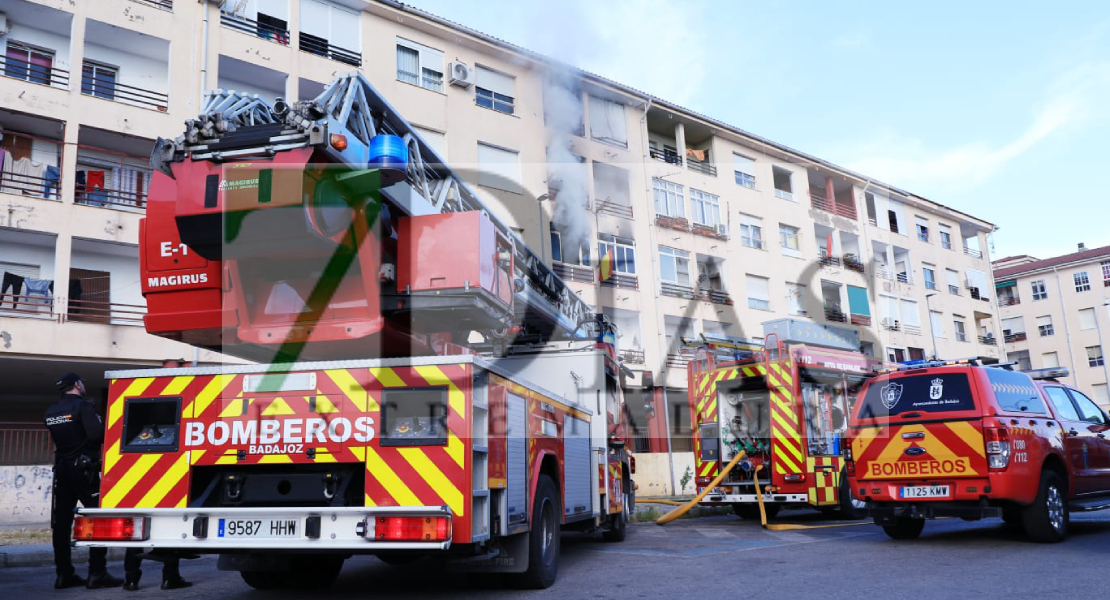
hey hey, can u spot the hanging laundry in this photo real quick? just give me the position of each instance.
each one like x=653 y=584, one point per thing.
x=27 y=176
x=94 y=180
x=53 y=178
x=38 y=287
x=15 y=284
x=698 y=155
x=5 y=169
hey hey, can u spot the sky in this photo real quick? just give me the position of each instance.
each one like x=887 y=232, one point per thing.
x=998 y=109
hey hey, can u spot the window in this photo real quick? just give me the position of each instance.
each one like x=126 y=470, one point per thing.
x=783 y=188
x=1094 y=356
x=710 y=275
x=494 y=90
x=437 y=140
x=28 y=63
x=869 y=200
x=1013 y=329
x=751 y=232
x=911 y=317
x=1064 y=408
x=706 y=208
x=759 y=295
x=668 y=198
x=1044 y=326
x=611 y=188
x=607 y=121
x=1039 y=291
x=674 y=266
x=1082 y=282
x=788 y=239
x=331 y=31
x=958 y=327
x=922 y=229
x=1050 y=360
x=419 y=65
x=414 y=417
x=568 y=255
x=857 y=302
x=953 y=281
x=498 y=168
x=1105 y=273
x=1020 y=357
x=98 y=80
x=1014 y=392
x=1100 y=393
x=624 y=252
x=1087 y=407
x=1087 y=319
x=745 y=170
x=945 y=237
x=796 y=299
x=936 y=322
x=930 y=278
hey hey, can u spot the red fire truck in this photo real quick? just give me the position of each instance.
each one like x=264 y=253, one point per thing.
x=785 y=405
x=422 y=383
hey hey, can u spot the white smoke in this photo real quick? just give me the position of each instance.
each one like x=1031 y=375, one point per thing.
x=567 y=177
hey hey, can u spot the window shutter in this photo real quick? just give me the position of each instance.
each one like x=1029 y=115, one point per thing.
x=758 y=288
x=315 y=18
x=498 y=168
x=857 y=301
x=344 y=25
x=493 y=81
x=435 y=139
x=743 y=164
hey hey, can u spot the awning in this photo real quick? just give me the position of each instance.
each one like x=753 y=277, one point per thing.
x=857 y=301
x=1004 y=284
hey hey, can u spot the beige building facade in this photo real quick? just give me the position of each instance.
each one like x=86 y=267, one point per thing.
x=1055 y=312
x=712 y=229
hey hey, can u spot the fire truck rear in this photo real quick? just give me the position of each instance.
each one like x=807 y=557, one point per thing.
x=423 y=382
x=783 y=404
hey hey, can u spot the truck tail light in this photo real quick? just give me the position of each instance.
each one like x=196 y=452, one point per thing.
x=632 y=464
x=849 y=460
x=998 y=447
x=111 y=529
x=409 y=529
x=795 y=477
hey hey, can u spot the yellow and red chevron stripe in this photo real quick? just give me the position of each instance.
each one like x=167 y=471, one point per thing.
x=824 y=480
x=787 y=450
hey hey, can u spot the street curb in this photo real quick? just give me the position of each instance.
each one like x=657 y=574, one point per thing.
x=40 y=555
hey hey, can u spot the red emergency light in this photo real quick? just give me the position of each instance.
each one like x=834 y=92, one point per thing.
x=411 y=529
x=111 y=529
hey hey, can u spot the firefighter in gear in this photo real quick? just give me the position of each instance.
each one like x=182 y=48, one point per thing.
x=77 y=432
x=171 y=577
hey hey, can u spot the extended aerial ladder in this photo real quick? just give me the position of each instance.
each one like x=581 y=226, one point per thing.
x=247 y=179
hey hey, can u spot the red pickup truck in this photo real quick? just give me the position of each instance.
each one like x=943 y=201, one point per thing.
x=969 y=440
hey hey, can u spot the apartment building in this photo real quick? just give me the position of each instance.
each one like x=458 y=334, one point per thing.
x=711 y=229
x=1054 y=313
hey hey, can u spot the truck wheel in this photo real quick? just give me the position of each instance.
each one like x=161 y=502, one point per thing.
x=1046 y=520
x=905 y=528
x=849 y=507
x=619 y=529
x=746 y=510
x=543 y=540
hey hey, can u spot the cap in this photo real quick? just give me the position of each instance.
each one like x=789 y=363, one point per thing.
x=67 y=381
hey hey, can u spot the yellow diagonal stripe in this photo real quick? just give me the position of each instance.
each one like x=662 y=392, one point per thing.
x=210 y=392
x=785 y=461
x=390 y=481
x=387 y=377
x=135 y=388
x=435 y=478
x=278 y=407
x=353 y=390
x=967 y=432
x=368 y=501
x=712 y=407
x=234 y=408
x=177 y=385
x=128 y=481
x=455 y=448
x=455 y=396
x=359 y=452
x=325 y=457
x=324 y=405
x=275 y=459
x=195 y=456
x=158 y=491
x=111 y=456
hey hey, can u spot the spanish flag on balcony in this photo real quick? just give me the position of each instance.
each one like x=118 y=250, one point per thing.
x=606 y=265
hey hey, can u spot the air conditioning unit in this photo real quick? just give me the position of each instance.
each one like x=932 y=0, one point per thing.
x=722 y=229
x=460 y=74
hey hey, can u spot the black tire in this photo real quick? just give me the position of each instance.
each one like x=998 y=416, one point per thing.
x=848 y=507
x=305 y=572
x=619 y=527
x=1046 y=520
x=543 y=540
x=746 y=510
x=905 y=528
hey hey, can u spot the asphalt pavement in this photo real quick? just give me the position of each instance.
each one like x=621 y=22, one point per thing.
x=712 y=557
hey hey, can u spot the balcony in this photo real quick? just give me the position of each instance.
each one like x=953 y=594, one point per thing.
x=842 y=210
x=125 y=66
x=677 y=290
x=320 y=47
x=632 y=356
x=676 y=223
x=272 y=31
x=26 y=305
x=626 y=282
x=973 y=252
x=34 y=149
x=249 y=78
x=1009 y=301
x=162 y=4
x=575 y=273
x=903 y=278
x=1018 y=336
x=36 y=47
x=987 y=340
x=714 y=296
x=835 y=314
x=47 y=75
x=852 y=264
x=826 y=260
x=704 y=167
x=716 y=232
x=666 y=155
x=112 y=170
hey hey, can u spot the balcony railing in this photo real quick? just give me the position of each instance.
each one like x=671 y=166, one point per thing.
x=321 y=47
x=108 y=197
x=708 y=231
x=903 y=278
x=578 y=274
x=1018 y=336
x=21 y=69
x=1008 y=301
x=714 y=296
x=96 y=311
x=973 y=252
x=852 y=264
x=614 y=209
x=911 y=329
x=834 y=314
x=841 y=210
x=826 y=260
x=884 y=273
x=665 y=156
x=30 y=306
x=679 y=360
x=162 y=4
x=987 y=340
x=679 y=223
x=109 y=89
x=618 y=280
x=265 y=31
x=25 y=444
x=29 y=185
x=679 y=291
x=702 y=167
x=633 y=356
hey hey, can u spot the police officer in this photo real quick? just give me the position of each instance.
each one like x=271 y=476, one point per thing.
x=78 y=433
x=171 y=577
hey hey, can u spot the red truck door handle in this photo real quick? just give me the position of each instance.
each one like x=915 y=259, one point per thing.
x=1101 y=435
x=1072 y=431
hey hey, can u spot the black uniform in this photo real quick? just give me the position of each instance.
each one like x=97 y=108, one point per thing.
x=78 y=433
